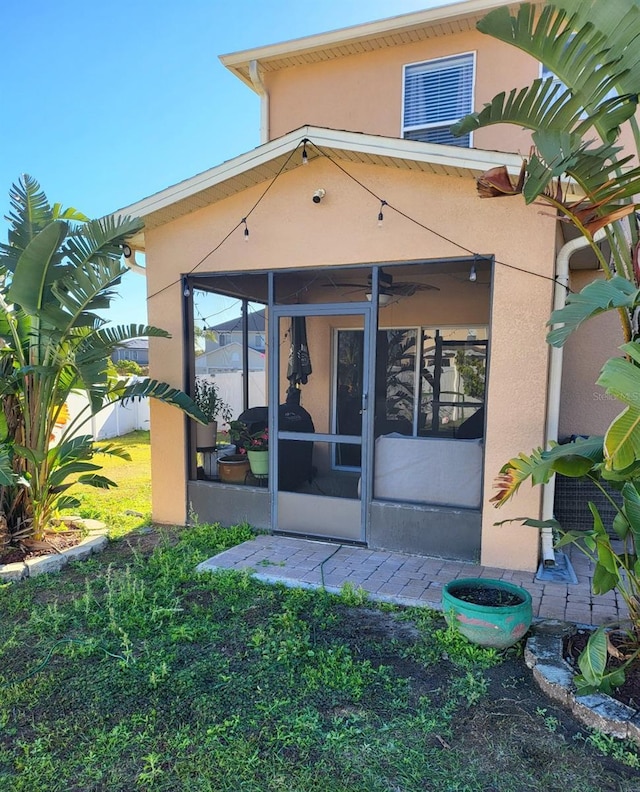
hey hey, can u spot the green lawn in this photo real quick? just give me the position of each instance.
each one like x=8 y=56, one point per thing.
x=128 y=505
x=130 y=672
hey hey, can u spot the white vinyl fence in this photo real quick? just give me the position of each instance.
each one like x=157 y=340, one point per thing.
x=119 y=419
x=113 y=421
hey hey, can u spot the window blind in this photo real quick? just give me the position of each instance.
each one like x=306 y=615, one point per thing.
x=436 y=95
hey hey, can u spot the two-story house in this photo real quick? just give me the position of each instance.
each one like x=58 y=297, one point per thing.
x=224 y=348
x=424 y=307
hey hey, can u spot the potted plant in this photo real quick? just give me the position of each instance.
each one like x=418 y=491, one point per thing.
x=254 y=444
x=488 y=612
x=206 y=395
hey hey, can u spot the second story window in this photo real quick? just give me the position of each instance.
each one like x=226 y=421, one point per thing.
x=437 y=93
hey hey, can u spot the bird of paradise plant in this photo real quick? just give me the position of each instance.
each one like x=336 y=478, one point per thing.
x=56 y=270
x=575 y=118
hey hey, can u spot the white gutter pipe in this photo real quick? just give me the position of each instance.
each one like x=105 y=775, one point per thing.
x=261 y=90
x=133 y=265
x=555 y=385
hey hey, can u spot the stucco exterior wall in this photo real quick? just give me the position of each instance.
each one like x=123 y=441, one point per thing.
x=288 y=230
x=371 y=85
x=585 y=407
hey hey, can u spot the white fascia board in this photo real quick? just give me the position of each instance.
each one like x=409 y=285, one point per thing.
x=374 y=145
x=213 y=176
x=390 y=25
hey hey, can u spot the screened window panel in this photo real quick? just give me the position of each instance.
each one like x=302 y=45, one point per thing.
x=436 y=95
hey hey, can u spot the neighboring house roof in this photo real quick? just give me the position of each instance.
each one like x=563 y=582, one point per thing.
x=267 y=161
x=230 y=357
x=256 y=323
x=404 y=29
x=135 y=343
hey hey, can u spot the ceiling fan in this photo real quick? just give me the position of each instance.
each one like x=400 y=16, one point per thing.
x=388 y=286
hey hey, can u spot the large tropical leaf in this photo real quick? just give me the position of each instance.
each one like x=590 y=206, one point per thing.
x=30 y=213
x=575 y=50
x=157 y=390
x=29 y=279
x=596 y=298
x=543 y=102
x=100 y=240
x=574 y=459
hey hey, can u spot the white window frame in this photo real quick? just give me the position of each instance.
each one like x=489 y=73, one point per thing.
x=404 y=128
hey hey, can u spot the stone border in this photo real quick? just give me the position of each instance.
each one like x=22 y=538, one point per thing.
x=95 y=541
x=543 y=655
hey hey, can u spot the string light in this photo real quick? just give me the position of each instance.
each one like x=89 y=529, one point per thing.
x=186 y=291
x=380 y=215
x=305 y=160
x=473 y=274
x=126 y=251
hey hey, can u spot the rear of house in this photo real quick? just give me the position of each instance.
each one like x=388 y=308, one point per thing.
x=354 y=230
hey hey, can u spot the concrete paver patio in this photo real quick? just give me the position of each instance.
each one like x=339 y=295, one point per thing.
x=407 y=579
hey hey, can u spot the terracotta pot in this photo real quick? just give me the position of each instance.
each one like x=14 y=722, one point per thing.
x=233 y=469
x=206 y=435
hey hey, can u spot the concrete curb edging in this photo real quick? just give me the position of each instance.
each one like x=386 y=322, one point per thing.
x=94 y=542
x=543 y=655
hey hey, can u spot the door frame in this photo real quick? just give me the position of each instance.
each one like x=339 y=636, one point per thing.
x=368 y=312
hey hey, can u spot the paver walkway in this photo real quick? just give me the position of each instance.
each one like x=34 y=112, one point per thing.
x=406 y=579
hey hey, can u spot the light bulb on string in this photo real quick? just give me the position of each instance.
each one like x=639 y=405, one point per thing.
x=186 y=291
x=473 y=275
x=380 y=214
x=246 y=229
x=305 y=156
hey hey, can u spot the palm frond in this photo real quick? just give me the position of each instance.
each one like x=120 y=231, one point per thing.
x=29 y=280
x=30 y=213
x=101 y=239
x=597 y=297
x=157 y=390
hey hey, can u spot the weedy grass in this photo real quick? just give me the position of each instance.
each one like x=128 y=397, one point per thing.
x=127 y=506
x=131 y=671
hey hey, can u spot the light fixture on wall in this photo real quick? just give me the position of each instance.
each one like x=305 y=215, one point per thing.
x=380 y=215
x=318 y=195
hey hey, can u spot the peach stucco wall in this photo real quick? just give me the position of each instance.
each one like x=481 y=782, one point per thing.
x=288 y=230
x=585 y=407
x=370 y=89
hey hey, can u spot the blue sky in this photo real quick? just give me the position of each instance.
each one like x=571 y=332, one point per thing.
x=105 y=103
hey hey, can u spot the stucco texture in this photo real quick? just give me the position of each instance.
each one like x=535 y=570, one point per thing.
x=288 y=230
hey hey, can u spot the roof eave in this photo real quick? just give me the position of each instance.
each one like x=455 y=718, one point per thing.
x=470 y=10
x=454 y=160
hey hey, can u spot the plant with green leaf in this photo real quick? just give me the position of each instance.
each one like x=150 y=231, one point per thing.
x=57 y=269
x=578 y=168
x=206 y=395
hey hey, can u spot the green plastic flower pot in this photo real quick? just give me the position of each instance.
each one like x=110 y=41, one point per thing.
x=488 y=612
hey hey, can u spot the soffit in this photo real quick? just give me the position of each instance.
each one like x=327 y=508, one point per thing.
x=372 y=36
x=265 y=162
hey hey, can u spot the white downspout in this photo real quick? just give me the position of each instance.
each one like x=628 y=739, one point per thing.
x=133 y=265
x=555 y=385
x=261 y=90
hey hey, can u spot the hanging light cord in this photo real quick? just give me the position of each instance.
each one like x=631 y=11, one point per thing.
x=306 y=142
x=426 y=227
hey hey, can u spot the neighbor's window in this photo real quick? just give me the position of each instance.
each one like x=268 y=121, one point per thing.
x=437 y=93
